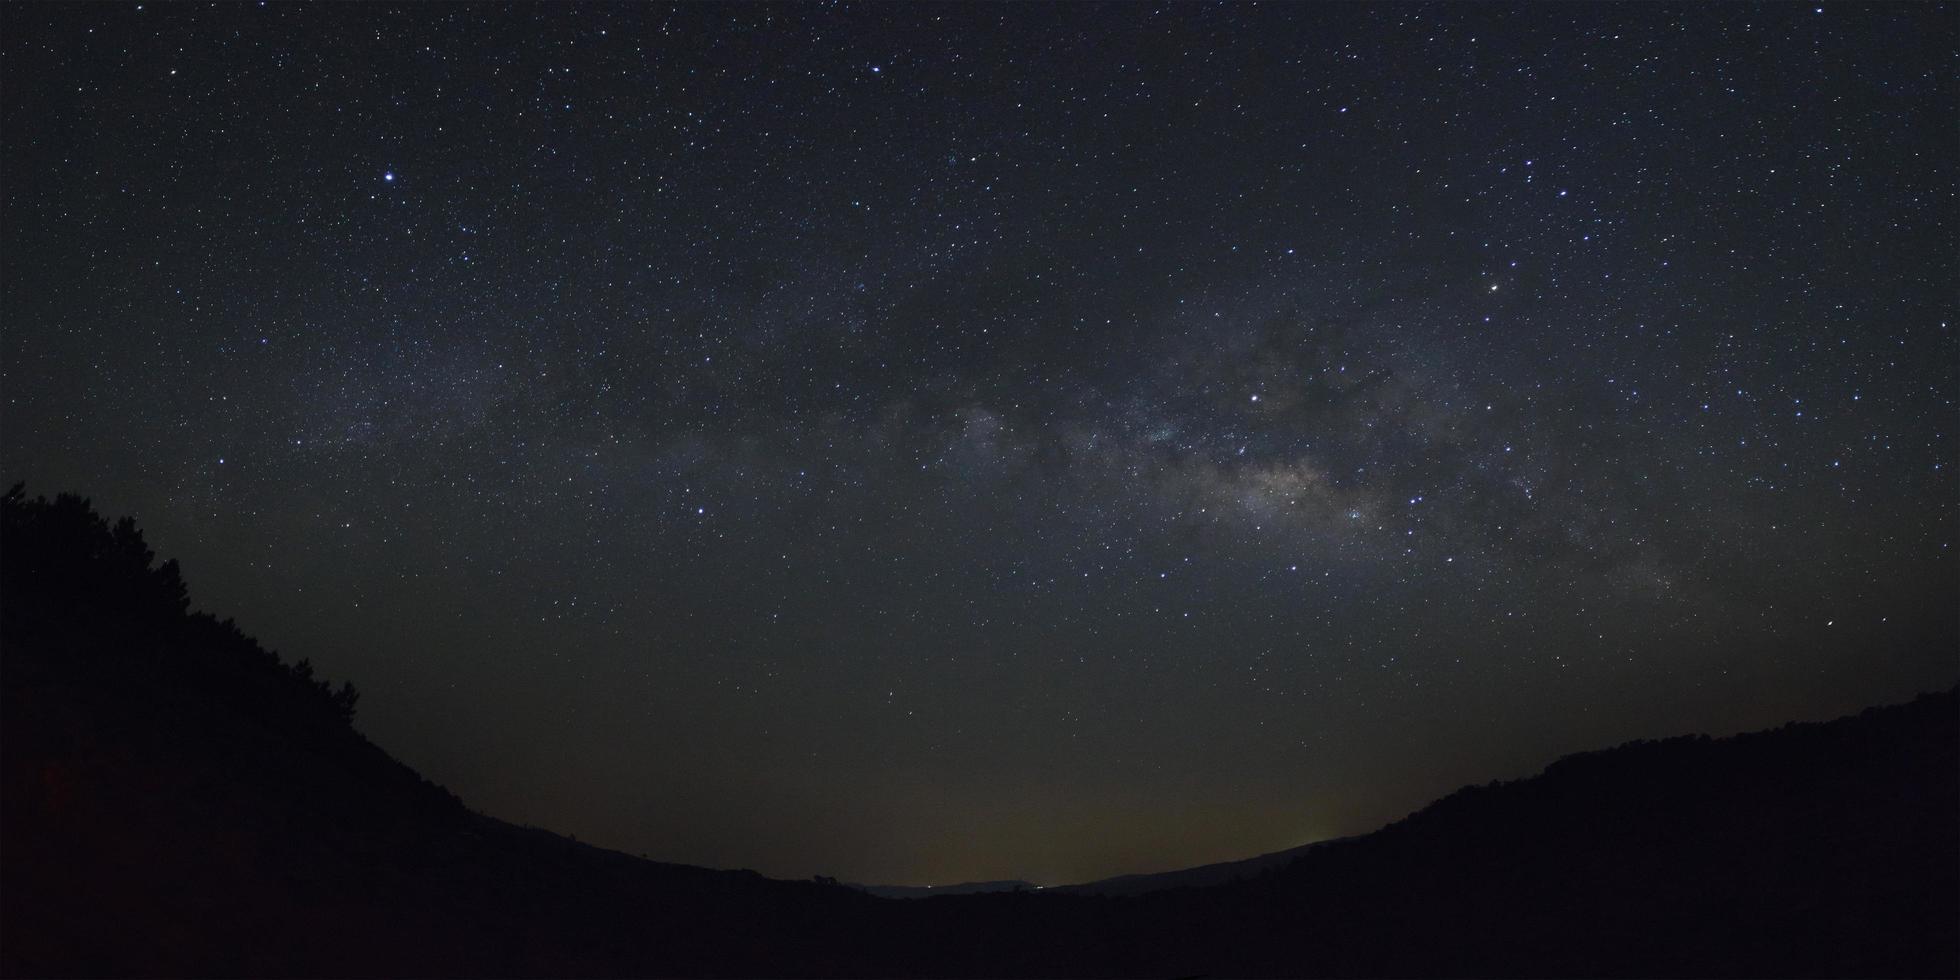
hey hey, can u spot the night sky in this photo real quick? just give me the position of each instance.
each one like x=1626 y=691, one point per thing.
x=927 y=443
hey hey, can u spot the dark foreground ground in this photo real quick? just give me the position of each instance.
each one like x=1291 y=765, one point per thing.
x=175 y=801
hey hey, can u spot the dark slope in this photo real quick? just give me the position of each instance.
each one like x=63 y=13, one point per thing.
x=175 y=801
x=1201 y=876
x=1814 y=850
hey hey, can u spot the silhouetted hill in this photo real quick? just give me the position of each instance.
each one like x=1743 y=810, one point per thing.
x=1223 y=872
x=1826 y=849
x=176 y=801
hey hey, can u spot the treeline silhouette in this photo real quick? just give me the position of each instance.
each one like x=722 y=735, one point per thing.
x=65 y=565
x=176 y=801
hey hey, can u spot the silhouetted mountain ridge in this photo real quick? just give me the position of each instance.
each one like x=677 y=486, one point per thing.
x=1218 y=873
x=174 y=800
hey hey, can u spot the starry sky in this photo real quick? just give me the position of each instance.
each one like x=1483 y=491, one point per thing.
x=928 y=443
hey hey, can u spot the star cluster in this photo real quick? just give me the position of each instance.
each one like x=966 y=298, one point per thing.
x=943 y=442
